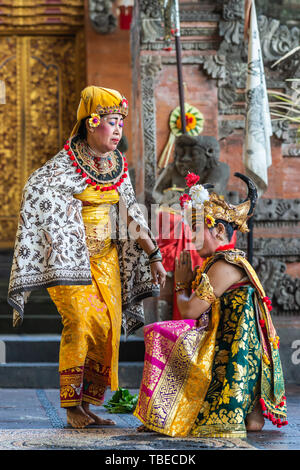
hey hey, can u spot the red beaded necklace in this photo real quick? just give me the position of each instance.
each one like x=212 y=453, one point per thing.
x=89 y=180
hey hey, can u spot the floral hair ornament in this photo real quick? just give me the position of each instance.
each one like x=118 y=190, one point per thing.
x=191 y=179
x=209 y=221
x=212 y=207
x=184 y=199
x=94 y=120
x=124 y=103
x=192 y=203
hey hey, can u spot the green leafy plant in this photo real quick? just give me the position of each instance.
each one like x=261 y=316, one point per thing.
x=121 y=402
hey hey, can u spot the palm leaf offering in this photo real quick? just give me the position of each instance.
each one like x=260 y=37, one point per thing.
x=121 y=402
x=286 y=107
x=288 y=54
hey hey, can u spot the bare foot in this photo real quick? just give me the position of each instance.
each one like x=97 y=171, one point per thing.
x=77 y=418
x=255 y=420
x=96 y=419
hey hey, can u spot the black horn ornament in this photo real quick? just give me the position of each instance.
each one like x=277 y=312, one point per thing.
x=252 y=191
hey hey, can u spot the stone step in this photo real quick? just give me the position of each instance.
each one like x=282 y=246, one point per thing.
x=45 y=349
x=45 y=375
x=32 y=324
x=30 y=361
x=40 y=314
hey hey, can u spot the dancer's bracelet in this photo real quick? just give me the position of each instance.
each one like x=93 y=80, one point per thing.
x=181 y=286
x=154 y=254
x=155 y=259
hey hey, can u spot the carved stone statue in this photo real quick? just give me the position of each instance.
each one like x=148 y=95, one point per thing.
x=102 y=17
x=198 y=155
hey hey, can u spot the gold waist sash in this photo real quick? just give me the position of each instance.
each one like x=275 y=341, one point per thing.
x=96 y=218
x=97 y=229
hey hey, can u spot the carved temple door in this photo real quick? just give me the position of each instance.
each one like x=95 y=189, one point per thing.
x=42 y=70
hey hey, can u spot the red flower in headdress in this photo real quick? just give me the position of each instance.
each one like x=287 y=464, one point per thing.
x=124 y=103
x=191 y=179
x=184 y=198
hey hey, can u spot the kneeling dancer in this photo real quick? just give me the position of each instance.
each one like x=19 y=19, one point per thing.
x=217 y=371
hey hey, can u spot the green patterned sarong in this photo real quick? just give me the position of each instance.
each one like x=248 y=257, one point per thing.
x=235 y=386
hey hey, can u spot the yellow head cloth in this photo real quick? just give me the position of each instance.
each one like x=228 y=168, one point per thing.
x=100 y=101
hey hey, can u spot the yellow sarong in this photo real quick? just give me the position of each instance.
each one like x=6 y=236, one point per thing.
x=91 y=315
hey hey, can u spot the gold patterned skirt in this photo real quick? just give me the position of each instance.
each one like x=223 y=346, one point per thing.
x=91 y=317
x=91 y=314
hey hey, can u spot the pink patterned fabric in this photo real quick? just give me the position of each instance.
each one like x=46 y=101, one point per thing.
x=160 y=338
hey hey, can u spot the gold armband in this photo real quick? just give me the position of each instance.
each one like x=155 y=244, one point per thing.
x=205 y=290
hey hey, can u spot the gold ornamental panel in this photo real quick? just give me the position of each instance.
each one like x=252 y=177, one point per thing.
x=42 y=77
x=31 y=14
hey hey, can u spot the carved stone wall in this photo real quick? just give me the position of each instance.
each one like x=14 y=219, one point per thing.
x=228 y=66
x=273 y=255
x=150 y=66
x=214 y=57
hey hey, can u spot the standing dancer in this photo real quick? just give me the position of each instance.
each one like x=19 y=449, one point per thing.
x=70 y=240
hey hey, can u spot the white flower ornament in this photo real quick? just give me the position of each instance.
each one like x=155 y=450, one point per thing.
x=198 y=194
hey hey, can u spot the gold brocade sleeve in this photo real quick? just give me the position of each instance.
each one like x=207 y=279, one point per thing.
x=205 y=290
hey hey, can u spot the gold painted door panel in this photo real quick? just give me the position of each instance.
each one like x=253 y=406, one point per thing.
x=43 y=76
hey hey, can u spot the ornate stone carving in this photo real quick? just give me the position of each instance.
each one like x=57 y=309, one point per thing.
x=152 y=30
x=164 y=310
x=287 y=295
x=150 y=66
x=200 y=155
x=101 y=16
x=278 y=210
x=272 y=255
x=284 y=249
x=229 y=65
x=151 y=21
x=270 y=265
x=270 y=273
x=151 y=9
x=279 y=286
x=293 y=152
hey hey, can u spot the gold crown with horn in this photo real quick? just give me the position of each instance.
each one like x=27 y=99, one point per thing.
x=213 y=207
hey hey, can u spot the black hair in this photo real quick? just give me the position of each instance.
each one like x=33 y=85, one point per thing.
x=82 y=131
x=229 y=227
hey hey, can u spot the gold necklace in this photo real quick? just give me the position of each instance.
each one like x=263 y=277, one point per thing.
x=102 y=164
x=85 y=166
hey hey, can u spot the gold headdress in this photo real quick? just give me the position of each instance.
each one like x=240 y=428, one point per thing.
x=96 y=101
x=214 y=207
x=217 y=208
